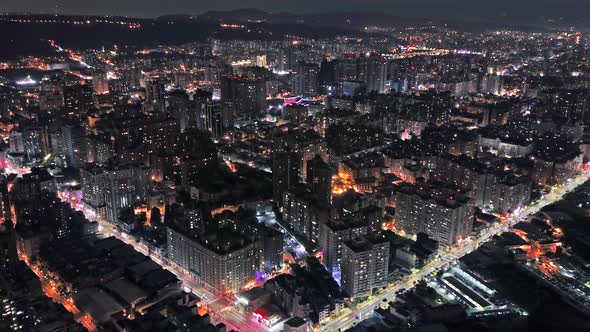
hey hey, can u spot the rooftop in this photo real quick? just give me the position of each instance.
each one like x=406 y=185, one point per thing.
x=126 y=291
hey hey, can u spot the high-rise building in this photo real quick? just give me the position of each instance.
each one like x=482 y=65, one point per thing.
x=467 y=174
x=285 y=173
x=75 y=143
x=158 y=133
x=319 y=179
x=8 y=253
x=93 y=181
x=16 y=142
x=367 y=73
x=490 y=84
x=306 y=143
x=556 y=160
x=364 y=267
x=223 y=260
x=347 y=68
x=444 y=214
x=5 y=212
x=32 y=142
x=510 y=193
x=260 y=61
x=272 y=249
x=180 y=105
x=572 y=104
x=214 y=118
x=36 y=142
x=215 y=72
x=352 y=88
x=304 y=213
x=57 y=144
x=30 y=186
x=243 y=95
x=331 y=237
x=327 y=77
x=154 y=95
x=125 y=185
x=51 y=101
x=287 y=59
x=100 y=82
x=99 y=149
x=61 y=215
x=296 y=113
x=305 y=80
x=373 y=72
x=79 y=101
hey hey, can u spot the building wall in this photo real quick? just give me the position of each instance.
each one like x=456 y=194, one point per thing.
x=440 y=222
x=227 y=272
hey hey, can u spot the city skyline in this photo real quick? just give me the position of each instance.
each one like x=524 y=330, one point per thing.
x=246 y=171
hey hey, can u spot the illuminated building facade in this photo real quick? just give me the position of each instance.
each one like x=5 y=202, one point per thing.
x=214 y=118
x=445 y=216
x=305 y=80
x=223 y=264
x=243 y=95
x=93 y=181
x=304 y=213
x=332 y=235
x=364 y=267
x=125 y=185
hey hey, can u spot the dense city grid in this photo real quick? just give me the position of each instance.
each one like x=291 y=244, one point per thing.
x=251 y=172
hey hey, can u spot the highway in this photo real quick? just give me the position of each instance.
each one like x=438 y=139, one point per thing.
x=349 y=317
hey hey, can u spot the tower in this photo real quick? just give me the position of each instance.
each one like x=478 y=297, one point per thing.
x=285 y=173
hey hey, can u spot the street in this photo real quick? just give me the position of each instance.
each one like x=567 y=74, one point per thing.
x=364 y=309
x=222 y=310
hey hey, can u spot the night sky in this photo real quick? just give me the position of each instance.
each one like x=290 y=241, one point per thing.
x=444 y=9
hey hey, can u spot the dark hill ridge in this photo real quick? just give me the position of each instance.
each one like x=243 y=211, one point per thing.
x=24 y=34
x=242 y=15
x=27 y=34
x=347 y=19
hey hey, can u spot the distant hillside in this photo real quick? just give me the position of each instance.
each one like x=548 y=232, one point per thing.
x=349 y=21
x=25 y=34
x=338 y=19
x=238 y=15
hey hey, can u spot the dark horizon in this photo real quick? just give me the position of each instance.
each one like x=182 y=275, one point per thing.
x=520 y=11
